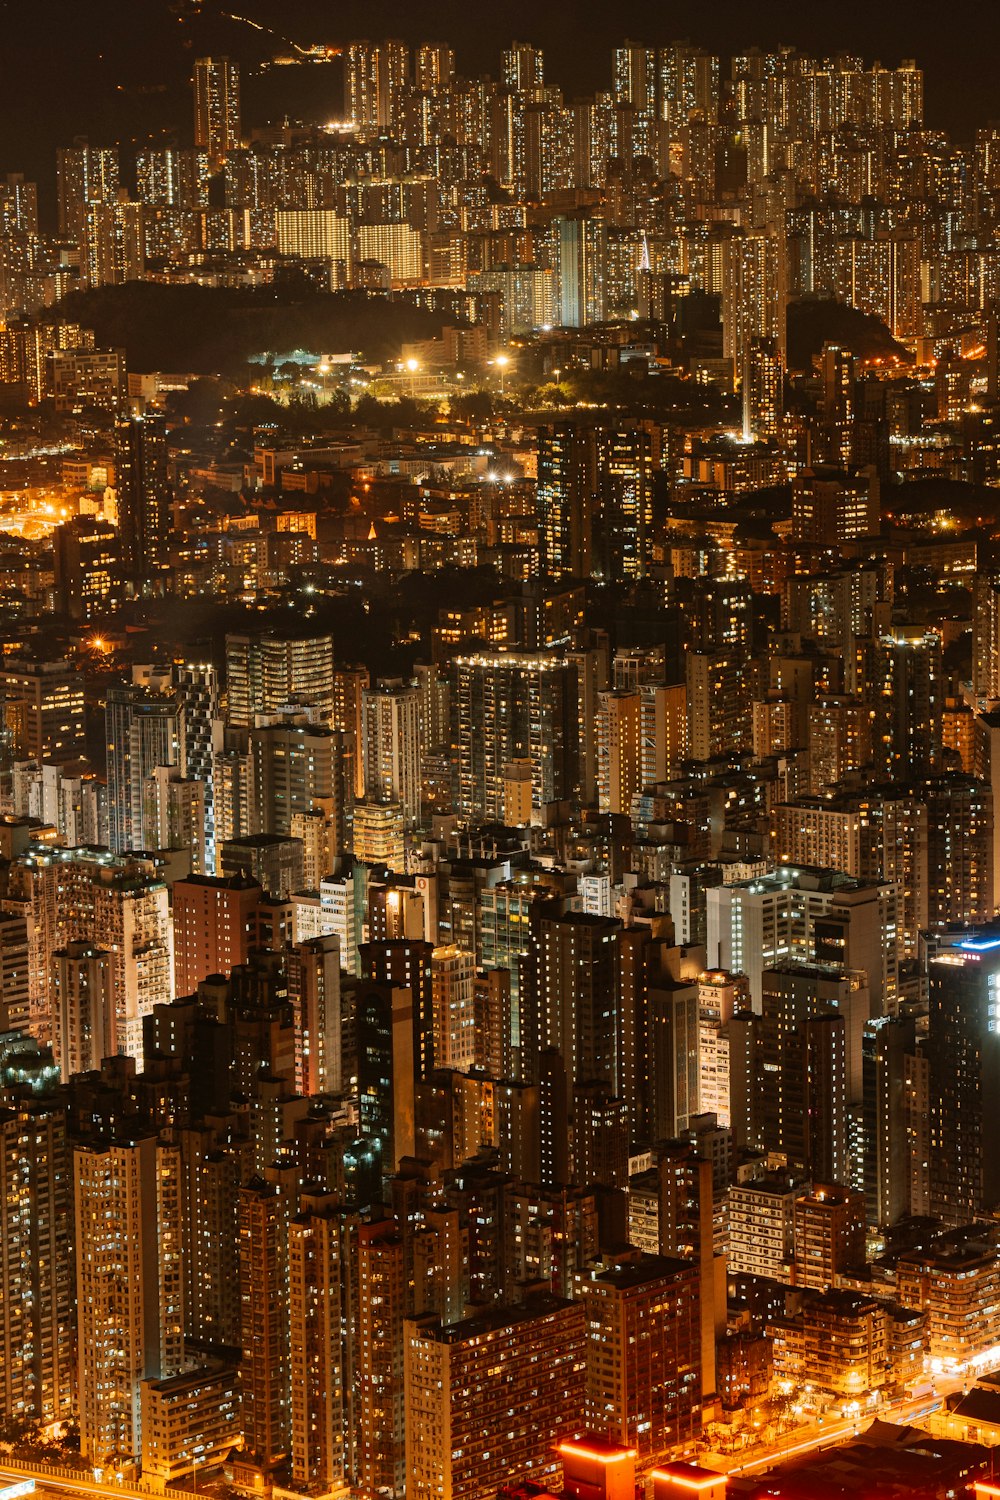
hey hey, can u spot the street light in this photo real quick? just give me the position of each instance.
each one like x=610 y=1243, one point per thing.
x=502 y=360
x=413 y=365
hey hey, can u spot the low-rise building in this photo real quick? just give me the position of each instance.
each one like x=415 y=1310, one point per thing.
x=958 y=1287
x=190 y=1422
x=849 y=1345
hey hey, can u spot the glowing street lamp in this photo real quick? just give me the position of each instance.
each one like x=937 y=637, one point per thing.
x=413 y=365
x=502 y=361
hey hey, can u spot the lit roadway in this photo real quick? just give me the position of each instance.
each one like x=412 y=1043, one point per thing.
x=805 y=1439
x=796 y=1441
x=57 y=1480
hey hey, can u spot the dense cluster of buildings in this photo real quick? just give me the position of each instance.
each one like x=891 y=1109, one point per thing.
x=692 y=184
x=575 y=1046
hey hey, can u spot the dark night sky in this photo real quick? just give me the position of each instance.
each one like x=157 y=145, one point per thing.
x=116 y=68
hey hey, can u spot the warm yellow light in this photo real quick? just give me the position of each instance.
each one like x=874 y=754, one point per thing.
x=580 y=1450
x=503 y=360
x=412 y=364
x=690 y=1483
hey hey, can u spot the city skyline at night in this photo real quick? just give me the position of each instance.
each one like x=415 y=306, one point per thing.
x=122 y=71
x=499 y=754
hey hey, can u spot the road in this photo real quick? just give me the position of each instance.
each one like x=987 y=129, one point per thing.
x=67 y=1482
x=824 y=1434
x=49 y=1479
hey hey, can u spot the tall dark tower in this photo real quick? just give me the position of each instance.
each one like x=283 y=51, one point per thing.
x=909 y=700
x=567 y=490
x=963 y=1046
x=143 y=493
x=403 y=964
x=217 y=125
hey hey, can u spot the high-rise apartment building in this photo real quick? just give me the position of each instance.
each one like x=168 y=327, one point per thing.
x=619 y=749
x=87 y=556
x=266 y=1208
x=891 y=1153
x=631 y=455
x=828 y=1229
x=522 y=66
x=582 y=269
x=567 y=498
x=117 y=904
x=275 y=863
x=391 y=746
x=720 y=995
x=15 y=973
x=831 y=509
x=217 y=121
x=762 y=1226
x=173 y=814
x=643 y=1352
x=405 y=965
x=763 y=389
x=129 y=1286
x=197 y=684
x=314 y=983
x=807 y=915
x=908 y=688
x=314 y=234
x=172 y=177
x=374 y=79
x=43 y=709
x=847 y=1344
x=718 y=703
x=986 y=639
x=635 y=77
x=433 y=67
x=85 y=174
x=70 y=804
x=143 y=492
x=664 y=728
x=689 y=1197
x=879 y=836
x=214 y=928
x=961 y=842
x=267 y=673
x=84 y=1024
x=492 y=1395
x=674 y=1037
x=512 y=706
x=955 y=1286
x=379 y=835
x=453 y=979
x=809 y=1052
x=318 y=1278
x=963 y=1048
x=379 y=1308
x=361 y=87
x=37 y=1378
x=576 y=997
x=753 y=289
x=144 y=731
x=295 y=768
